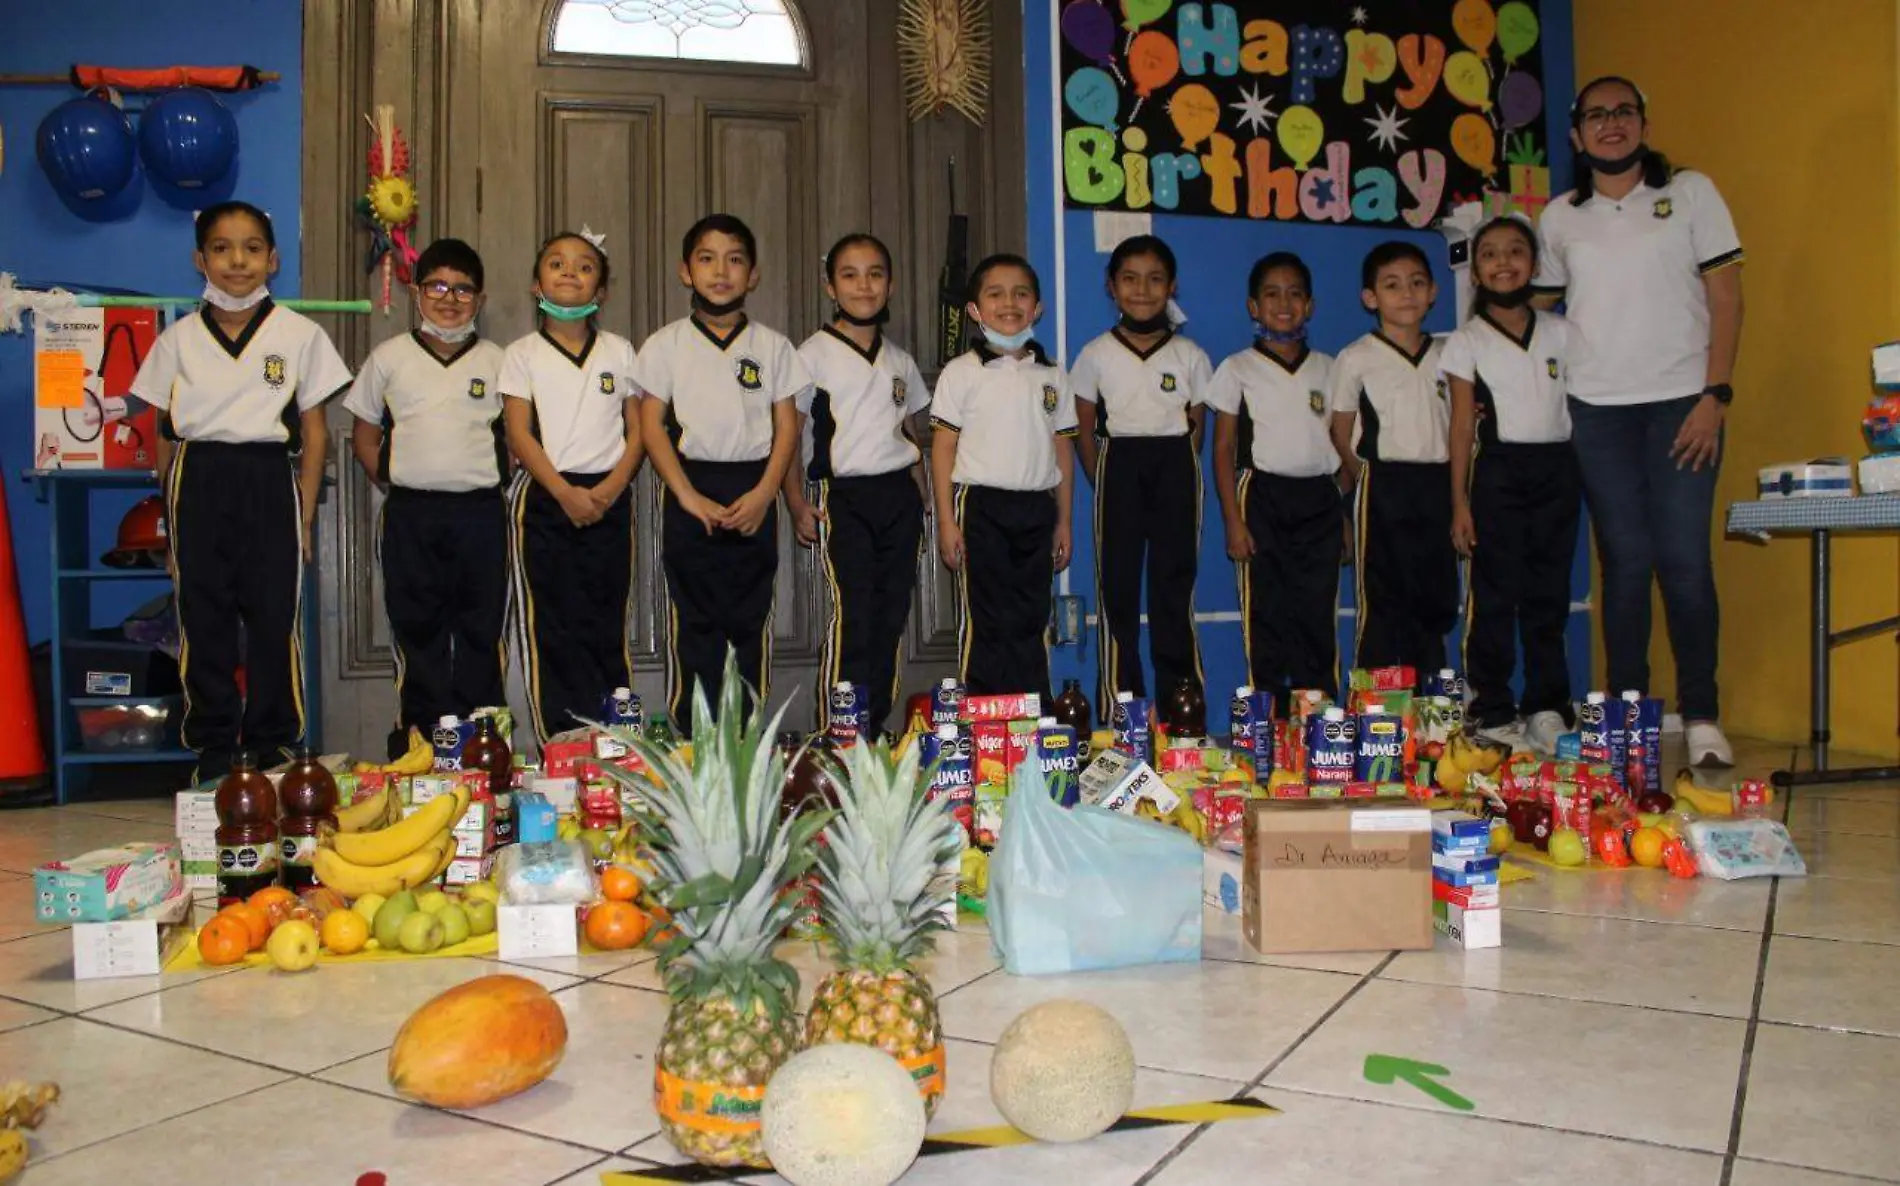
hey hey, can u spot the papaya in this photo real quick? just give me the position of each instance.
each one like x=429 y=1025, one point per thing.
x=479 y=1042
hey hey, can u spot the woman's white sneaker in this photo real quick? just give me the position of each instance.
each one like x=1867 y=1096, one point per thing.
x=1707 y=745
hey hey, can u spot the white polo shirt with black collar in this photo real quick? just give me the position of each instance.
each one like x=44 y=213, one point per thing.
x=243 y=390
x=441 y=416
x=1287 y=405
x=720 y=389
x=579 y=399
x=1401 y=400
x=858 y=407
x=1631 y=271
x=1520 y=382
x=1141 y=393
x=1007 y=413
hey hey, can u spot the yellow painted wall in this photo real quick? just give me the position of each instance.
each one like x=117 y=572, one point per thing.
x=1794 y=111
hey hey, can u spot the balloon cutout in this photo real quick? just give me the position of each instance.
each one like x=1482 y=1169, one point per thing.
x=1195 y=112
x=1474 y=142
x=1468 y=80
x=86 y=147
x=1087 y=26
x=1152 y=62
x=1136 y=13
x=1092 y=95
x=1475 y=24
x=1517 y=29
x=1302 y=134
x=187 y=138
x=1520 y=98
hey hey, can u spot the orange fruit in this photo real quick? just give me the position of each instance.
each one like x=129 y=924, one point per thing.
x=256 y=923
x=275 y=901
x=618 y=884
x=615 y=926
x=344 y=932
x=1646 y=847
x=226 y=939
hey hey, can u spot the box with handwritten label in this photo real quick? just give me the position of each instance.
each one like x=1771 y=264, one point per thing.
x=1337 y=875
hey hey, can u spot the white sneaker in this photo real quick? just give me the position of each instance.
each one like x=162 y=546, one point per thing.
x=1707 y=745
x=1542 y=730
x=1511 y=735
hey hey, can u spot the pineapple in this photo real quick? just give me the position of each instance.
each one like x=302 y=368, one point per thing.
x=885 y=882
x=723 y=854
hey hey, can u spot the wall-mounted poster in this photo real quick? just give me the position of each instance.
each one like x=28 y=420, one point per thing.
x=1380 y=112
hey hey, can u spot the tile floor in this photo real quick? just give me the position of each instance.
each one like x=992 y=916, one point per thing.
x=1634 y=1029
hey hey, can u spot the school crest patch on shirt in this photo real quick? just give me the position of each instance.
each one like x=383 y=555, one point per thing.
x=1550 y=365
x=897 y=392
x=606 y=383
x=1168 y=382
x=1049 y=399
x=1663 y=208
x=751 y=374
x=274 y=370
x=1316 y=400
x=1444 y=390
x=478 y=389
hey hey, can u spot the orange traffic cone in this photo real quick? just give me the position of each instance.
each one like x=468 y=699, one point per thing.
x=22 y=758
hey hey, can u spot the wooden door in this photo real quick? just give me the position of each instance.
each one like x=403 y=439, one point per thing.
x=513 y=139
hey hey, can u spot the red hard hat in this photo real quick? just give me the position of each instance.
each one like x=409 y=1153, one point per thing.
x=143 y=539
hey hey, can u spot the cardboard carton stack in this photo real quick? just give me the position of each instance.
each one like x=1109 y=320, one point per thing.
x=1465 y=881
x=475 y=836
x=196 y=818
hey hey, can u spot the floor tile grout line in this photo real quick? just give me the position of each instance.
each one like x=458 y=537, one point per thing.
x=130 y=1132
x=1844 y=1175
x=1748 y=1040
x=1187 y=1142
x=1550 y=996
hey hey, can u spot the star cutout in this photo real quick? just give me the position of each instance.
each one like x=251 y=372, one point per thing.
x=1360 y=16
x=1256 y=110
x=1323 y=190
x=1388 y=129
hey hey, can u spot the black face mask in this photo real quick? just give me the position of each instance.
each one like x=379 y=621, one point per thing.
x=702 y=305
x=883 y=315
x=1517 y=298
x=1150 y=325
x=1617 y=167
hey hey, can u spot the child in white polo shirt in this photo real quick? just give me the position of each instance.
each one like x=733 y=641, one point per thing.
x=240 y=388
x=1391 y=419
x=428 y=431
x=1002 y=471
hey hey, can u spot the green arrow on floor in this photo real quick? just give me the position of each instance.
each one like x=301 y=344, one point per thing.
x=1386 y=1068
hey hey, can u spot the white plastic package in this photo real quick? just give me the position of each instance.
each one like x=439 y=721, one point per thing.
x=547 y=873
x=1731 y=849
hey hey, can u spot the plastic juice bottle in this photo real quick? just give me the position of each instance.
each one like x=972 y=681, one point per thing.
x=247 y=830
x=308 y=795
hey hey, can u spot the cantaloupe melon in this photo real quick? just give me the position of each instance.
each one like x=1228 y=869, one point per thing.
x=479 y=1042
x=842 y=1115
x=1063 y=1071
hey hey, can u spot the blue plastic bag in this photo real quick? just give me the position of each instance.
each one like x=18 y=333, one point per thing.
x=1080 y=889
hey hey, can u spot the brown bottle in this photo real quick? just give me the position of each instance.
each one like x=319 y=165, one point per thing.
x=488 y=753
x=1184 y=712
x=308 y=795
x=1072 y=709
x=247 y=831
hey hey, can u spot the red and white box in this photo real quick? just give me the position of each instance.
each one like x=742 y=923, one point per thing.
x=84 y=361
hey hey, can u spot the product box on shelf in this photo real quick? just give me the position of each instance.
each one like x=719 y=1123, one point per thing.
x=467 y=869
x=1015 y=706
x=84 y=361
x=195 y=811
x=1337 y=875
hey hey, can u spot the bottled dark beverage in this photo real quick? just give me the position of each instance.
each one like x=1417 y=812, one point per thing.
x=247 y=831
x=308 y=795
x=1072 y=709
x=1184 y=712
x=488 y=753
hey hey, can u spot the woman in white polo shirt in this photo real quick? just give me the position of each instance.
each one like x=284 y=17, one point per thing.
x=1646 y=258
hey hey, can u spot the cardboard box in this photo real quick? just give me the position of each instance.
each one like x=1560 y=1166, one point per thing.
x=561 y=793
x=1470 y=897
x=467 y=870
x=137 y=946
x=107 y=885
x=196 y=813
x=1337 y=875
x=1471 y=928
x=84 y=362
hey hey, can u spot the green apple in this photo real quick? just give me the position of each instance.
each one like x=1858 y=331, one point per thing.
x=481 y=891
x=420 y=933
x=1567 y=847
x=432 y=902
x=1684 y=807
x=367 y=906
x=1501 y=836
x=455 y=924
x=481 y=917
x=389 y=918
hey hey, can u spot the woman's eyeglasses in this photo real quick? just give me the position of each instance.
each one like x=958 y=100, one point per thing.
x=1596 y=117
x=438 y=290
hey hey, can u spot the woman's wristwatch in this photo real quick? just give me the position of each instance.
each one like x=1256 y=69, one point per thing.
x=1724 y=394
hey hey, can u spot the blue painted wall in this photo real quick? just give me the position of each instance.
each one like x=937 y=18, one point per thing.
x=149 y=247
x=1215 y=255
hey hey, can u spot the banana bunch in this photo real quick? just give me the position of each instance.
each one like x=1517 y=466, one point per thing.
x=419 y=758
x=399 y=856
x=1183 y=817
x=22 y=1105
x=1464 y=757
x=1704 y=800
x=379 y=810
x=973 y=872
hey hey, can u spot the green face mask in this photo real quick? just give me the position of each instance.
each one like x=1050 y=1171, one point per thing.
x=569 y=312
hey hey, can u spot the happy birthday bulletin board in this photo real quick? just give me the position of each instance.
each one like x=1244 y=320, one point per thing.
x=1378 y=113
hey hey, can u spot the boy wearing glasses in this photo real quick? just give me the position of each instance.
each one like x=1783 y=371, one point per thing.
x=428 y=432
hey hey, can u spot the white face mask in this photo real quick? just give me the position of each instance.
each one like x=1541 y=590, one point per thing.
x=220 y=299
x=442 y=333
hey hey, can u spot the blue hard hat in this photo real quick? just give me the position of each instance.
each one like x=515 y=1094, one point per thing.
x=188 y=138
x=85 y=146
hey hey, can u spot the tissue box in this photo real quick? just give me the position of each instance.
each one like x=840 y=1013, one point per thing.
x=107 y=885
x=1823 y=477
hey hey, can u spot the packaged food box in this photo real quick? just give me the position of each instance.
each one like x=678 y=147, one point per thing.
x=1469 y=927
x=1115 y=781
x=1013 y=706
x=108 y=884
